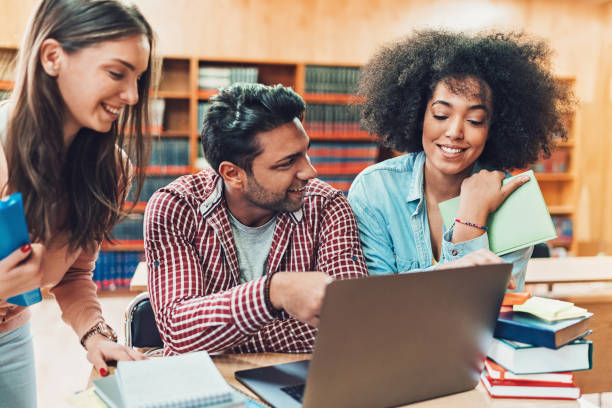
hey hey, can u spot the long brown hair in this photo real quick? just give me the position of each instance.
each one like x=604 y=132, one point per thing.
x=80 y=192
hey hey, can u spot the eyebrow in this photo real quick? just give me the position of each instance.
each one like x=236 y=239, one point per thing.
x=127 y=64
x=473 y=107
x=292 y=156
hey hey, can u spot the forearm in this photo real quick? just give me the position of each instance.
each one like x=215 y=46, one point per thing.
x=214 y=322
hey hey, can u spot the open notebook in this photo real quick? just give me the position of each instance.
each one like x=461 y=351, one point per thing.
x=184 y=381
x=520 y=221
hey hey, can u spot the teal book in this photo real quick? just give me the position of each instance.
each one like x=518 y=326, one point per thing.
x=14 y=234
x=522 y=220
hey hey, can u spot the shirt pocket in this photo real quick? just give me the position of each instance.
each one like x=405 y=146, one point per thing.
x=404 y=264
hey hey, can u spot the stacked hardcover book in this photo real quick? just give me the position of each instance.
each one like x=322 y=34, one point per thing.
x=537 y=346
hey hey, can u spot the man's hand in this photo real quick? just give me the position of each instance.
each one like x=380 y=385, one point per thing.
x=480 y=257
x=300 y=294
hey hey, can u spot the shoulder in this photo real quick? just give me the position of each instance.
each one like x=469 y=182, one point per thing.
x=395 y=171
x=319 y=195
x=190 y=190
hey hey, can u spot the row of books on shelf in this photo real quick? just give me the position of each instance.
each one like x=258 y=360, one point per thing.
x=220 y=77
x=339 y=158
x=323 y=117
x=114 y=270
x=331 y=80
x=538 y=344
x=130 y=228
x=151 y=184
x=558 y=162
x=169 y=155
x=564 y=227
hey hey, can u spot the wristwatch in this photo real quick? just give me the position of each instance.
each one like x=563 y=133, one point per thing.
x=99 y=328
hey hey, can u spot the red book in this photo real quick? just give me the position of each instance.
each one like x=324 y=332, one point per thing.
x=497 y=372
x=529 y=389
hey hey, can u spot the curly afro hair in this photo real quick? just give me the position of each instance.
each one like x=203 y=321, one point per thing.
x=528 y=103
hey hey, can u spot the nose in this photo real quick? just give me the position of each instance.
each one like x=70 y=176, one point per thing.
x=455 y=128
x=307 y=171
x=129 y=94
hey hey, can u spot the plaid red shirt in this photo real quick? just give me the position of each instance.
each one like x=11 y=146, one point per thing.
x=194 y=280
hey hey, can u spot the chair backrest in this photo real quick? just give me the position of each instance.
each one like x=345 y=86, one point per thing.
x=140 y=328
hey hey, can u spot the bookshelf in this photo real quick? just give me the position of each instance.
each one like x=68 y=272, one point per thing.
x=557 y=177
x=339 y=149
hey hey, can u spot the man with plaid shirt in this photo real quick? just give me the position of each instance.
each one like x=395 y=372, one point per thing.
x=239 y=255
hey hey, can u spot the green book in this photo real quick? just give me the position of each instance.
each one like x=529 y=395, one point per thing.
x=520 y=221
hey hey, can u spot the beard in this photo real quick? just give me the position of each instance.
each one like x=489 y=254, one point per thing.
x=266 y=199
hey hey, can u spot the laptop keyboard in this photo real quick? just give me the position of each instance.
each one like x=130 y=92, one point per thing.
x=296 y=391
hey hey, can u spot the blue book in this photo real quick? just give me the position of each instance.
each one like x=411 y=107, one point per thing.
x=529 y=329
x=13 y=235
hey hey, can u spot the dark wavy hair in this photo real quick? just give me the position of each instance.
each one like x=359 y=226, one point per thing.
x=80 y=192
x=238 y=113
x=528 y=103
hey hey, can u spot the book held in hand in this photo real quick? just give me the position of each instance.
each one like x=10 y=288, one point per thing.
x=522 y=220
x=497 y=372
x=521 y=358
x=183 y=381
x=529 y=389
x=529 y=329
x=13 y=235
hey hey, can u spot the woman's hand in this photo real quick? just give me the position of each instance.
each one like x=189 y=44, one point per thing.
x=20 y=272
x=481 y=194
x=481 y=257
x=100 y=350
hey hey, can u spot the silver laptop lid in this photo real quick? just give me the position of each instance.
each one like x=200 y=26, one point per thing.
x=395 y=339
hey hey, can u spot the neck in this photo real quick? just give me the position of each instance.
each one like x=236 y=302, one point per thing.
x=440 y=186
x=245 y=211
x=70 y=132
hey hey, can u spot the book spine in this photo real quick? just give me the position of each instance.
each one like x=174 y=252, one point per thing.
x=525 y=334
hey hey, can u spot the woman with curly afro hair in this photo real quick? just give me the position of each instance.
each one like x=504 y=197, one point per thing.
x=465 y=109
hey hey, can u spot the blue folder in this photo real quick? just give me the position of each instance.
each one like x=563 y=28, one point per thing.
x=13 y=235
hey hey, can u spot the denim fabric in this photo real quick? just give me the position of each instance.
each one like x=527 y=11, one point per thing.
x=17 y=370
x=388 y=199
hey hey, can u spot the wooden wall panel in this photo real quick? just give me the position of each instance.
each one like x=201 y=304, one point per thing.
x=349 y=31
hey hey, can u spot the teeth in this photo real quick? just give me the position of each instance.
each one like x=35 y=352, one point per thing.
x=114 y=111
x=450 y=149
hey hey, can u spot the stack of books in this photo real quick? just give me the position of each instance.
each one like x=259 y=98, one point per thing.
x=537 y=346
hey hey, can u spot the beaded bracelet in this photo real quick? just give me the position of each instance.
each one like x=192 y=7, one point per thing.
x=276 y=313
x=471 y=224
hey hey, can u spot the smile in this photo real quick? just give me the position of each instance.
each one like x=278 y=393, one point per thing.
x=296 y=190
x=452 y=149
x=110 y=109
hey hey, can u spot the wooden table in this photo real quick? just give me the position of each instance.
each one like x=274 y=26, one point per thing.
x=477 y=398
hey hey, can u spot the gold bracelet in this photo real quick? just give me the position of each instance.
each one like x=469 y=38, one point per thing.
x=99 y=328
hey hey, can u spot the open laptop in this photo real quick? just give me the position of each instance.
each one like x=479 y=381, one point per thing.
x=391 y=340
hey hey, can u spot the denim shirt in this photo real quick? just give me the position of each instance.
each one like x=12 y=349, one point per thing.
x=388 y=199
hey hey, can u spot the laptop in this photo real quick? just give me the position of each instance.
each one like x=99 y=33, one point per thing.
x=392 y=340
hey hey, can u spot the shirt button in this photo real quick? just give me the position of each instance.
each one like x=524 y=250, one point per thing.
x=454 y=252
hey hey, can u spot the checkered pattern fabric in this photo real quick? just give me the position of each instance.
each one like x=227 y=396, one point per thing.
x=194 y=281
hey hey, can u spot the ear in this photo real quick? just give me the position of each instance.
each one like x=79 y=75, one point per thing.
x=51 y=56
x=234 y=177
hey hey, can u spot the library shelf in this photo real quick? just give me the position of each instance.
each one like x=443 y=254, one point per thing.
x=554 y=176
x=139 y=207
x=121 y=245
x=206 y=93
x=173 y=95
x=346 y=136
x=175 y=133
x=331 y=98
x=561 y=209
